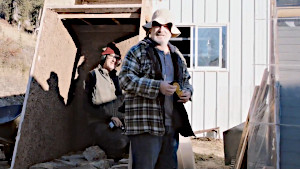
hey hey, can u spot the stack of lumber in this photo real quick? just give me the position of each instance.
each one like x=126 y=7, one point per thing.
x=261 y=105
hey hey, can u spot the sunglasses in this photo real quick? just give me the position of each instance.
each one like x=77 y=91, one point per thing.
x=168 y=25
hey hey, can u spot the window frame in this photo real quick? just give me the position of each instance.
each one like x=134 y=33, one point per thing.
x=194 y=57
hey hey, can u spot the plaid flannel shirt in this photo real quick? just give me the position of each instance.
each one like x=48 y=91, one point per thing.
x=143 y=110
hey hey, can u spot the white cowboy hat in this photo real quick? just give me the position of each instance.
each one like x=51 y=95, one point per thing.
x=163 y=16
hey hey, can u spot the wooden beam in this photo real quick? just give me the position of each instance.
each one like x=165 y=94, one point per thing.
x=119 y=15
x=285 y=12
x=104 y=28
x=104 y=8
x=107 y=1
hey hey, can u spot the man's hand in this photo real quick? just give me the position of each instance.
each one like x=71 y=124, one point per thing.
x=117 y=121
x=185 y=96
x=167 y=89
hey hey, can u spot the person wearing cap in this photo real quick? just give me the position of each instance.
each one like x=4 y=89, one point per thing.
x=105 y=94
x=154 y=113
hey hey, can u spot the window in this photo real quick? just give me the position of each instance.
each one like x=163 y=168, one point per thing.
x=210 y=42
x=286 y=3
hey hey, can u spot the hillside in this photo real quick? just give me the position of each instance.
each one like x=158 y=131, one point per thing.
x=16 y=53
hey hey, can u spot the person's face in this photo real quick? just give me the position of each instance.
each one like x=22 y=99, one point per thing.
x=160 y=33
x=111 y=62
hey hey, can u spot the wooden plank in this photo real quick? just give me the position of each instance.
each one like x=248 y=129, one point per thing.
x=288 y=12
x=244 y=137
x=222 y=101
x=112 y=8
x=78 y=2
x=235 y=63
x=199 y=11
x=247 y=55
x=198 y=101
x=187 y=11
x=175 y=8
x=122 y=15
x=261 y=50
x=211 y=11
x=104 y=28
x=210 y=100
x=223 y=11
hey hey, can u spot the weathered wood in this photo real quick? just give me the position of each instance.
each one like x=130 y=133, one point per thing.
x=79 y=2
x=119 y=15
x=104 y=28
x=111 y=8
x=216 y=130
x=244 y=137
x=288 y=12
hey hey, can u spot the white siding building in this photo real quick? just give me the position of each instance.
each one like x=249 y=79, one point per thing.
x=226 y=44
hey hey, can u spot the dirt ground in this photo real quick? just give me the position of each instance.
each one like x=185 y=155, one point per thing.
x=209 y=153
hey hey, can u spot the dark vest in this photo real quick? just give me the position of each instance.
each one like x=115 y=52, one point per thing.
x=180 y=121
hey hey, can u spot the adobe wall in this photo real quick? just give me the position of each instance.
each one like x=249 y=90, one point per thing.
x=50 y=127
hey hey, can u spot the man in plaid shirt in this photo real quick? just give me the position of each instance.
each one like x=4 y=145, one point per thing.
x=154 y=113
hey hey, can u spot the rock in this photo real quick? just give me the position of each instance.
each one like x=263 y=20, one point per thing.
x=124 y=161
x=71 y=157
x=111 y=162
x=74 y=159
x=120 y=166
x=94 y=153
x=73 y=163
x=88 y=166
x=101 y=164
x=51 y=165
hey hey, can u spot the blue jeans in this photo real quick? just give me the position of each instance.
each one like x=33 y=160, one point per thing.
x=153 y=152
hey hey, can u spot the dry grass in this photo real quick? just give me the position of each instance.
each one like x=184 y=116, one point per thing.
x=16 y=53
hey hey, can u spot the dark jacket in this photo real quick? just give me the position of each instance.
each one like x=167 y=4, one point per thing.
x=140 y=77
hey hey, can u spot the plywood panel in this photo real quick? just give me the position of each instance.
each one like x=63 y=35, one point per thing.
x=187 y=11
x=247 y=55
x=175 y=8
x=45 y=131
x=261 y=50
x=199 y=11
x=210 y=100
x=223 y=11
x=235 y=63
x=222 y=100
x=211 y=11
x=198 y=101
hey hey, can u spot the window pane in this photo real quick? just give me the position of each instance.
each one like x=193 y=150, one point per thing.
x=282 y=3
x=182 y=42
x=208 y=46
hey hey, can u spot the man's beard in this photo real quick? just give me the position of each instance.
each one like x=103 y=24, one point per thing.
x=162 y=42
